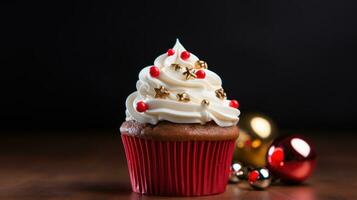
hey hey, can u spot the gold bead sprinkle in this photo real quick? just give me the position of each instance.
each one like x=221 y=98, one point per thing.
x=199 y=64
x=189 y=73
x=161 y=92
x=177 y=67
x=205 y=102
x=184 y=97
x=220 y=93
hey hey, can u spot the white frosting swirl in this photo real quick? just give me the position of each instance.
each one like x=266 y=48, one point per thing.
x=170 y=108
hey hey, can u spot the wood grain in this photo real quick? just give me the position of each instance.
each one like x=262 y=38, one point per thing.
x=91 y=165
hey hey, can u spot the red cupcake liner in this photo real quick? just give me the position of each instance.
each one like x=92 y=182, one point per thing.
x=178 y=168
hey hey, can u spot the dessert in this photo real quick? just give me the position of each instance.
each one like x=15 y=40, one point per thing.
x=180 y=128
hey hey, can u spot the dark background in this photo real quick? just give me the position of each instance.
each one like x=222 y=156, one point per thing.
x=71 y=64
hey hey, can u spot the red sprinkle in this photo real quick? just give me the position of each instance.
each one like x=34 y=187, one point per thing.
x=185 y=55
x=201 y=74
x=170 y=52
x=234 y=104
x=154 y=71
x=141 y=106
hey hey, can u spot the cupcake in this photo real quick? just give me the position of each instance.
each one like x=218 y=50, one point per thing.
x=180 y=129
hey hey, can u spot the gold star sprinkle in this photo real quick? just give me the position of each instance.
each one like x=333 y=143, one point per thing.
x=205 y=102
x=183 y=97
x=201 y=64
x=189 y=73
x=177 y=67
x=161 y=92
x=220 y=93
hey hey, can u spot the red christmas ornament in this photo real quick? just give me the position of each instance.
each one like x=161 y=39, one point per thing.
x=170 y=52
x=185 y=55
x=141 y=106
x=291 y=158
x=201 y=74
x=154 y=71
x=234 y=104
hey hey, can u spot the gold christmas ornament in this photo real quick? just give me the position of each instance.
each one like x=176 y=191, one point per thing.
x=221 y=94
x=177 y=67
x=184 y=97
x=256 y=133
x=205 y=102
x=161 y=92
x=199 y=64
x=189 y=73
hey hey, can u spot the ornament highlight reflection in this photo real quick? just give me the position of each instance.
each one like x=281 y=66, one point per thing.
x=276 y=156
x=300 y=146
x=236 y=166
x=261 y=126
x=264 y=172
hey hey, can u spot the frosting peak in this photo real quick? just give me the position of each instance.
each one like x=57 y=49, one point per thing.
x=165 y=60
x=179 y=88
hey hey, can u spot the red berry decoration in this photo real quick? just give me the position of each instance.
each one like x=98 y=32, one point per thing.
x=185 y=55
x=170 y=52
x=154 y=71
x=141 y=106
x=201 y=74
x=291 y=158
x=234 y=104
x=253 y=176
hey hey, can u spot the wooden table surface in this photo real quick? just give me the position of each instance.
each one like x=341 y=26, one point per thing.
x=92 y=165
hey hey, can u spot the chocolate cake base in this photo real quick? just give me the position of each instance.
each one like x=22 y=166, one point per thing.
x=169 y=131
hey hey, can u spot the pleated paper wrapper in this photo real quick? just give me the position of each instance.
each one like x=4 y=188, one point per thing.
x=178 y=168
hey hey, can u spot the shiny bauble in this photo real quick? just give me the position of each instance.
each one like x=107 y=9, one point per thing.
x=256 y=133
x=292 y=158
x=259 y=178
x=237 y=172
